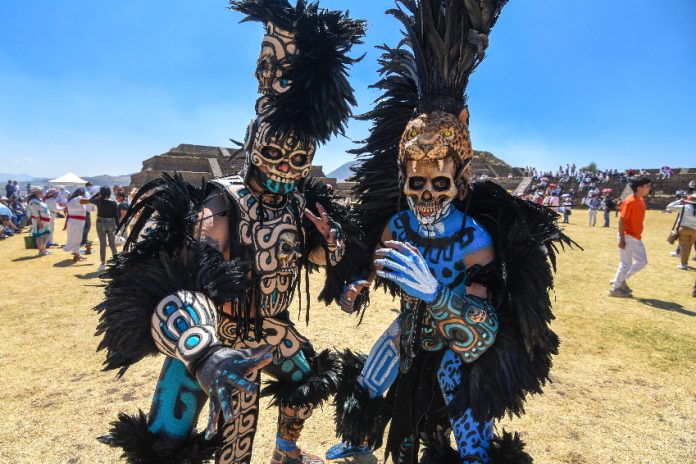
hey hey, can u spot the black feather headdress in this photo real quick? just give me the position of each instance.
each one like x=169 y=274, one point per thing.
x=443 y=42
x=318 y=102
x=448 y=39
x=278 y=12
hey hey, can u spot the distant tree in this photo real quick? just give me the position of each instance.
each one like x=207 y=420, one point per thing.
x=592 y=167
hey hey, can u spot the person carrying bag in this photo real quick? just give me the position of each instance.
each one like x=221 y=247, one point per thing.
x=674 y=234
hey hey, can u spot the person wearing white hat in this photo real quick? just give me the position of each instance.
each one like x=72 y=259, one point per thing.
x=40 y=219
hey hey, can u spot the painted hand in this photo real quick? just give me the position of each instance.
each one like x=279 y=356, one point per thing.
x=404 y=265
x=326 y=227
x=350 y=293
x=222 y=372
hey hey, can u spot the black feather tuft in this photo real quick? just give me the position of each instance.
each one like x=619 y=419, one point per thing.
x=509 y=449
x=439 y=453
x=139 y=446
x=321 y=383
x=278 y=12
x=318 y=103
x=447 y=41
x=358 y=417
x=166 y=210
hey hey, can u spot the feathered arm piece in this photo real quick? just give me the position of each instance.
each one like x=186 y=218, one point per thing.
x=135 y=285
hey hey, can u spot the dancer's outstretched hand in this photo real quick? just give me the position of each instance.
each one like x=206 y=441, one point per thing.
x=223 y=372
x=351 y=293
x=326 y=227
x=404 y=265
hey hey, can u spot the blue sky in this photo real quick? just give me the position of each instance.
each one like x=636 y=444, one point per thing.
x=97 y=87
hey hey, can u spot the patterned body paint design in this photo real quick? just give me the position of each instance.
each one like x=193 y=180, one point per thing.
x=184 y=326
x=177 y=403
x=335 y=251
x=238 y=434
x=444 y=246
x=275 y=239
x=468 y=323
x=382 y=364
x=473 y=438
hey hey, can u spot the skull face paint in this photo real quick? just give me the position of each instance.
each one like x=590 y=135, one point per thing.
x=288 y=252
x=435 y=157
x=274 y=62
x=281 y=161
x=430 y=188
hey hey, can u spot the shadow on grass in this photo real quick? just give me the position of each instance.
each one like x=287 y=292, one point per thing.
x=667 y=306
x=70 y=263
x=364 y=459
x=89 y=276
x=25 y=258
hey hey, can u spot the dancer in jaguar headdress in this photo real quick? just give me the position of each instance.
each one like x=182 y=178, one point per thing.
x=211 y=281
x=472 y=264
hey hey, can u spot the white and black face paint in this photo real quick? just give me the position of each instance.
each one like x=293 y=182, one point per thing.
x=281 y=160
x=430 y=188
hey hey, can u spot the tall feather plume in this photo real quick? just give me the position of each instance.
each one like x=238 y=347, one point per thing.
x=448 y=39
x=318 y=104
x=278 y=12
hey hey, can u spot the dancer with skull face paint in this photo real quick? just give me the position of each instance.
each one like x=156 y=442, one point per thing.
x=210 y=286
x=471 y=263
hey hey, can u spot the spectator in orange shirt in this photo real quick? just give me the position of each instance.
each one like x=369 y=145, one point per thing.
x=631 y=249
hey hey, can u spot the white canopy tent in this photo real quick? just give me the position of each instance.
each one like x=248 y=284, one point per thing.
x=67 y=179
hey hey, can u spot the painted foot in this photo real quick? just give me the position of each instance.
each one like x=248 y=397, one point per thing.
x=345 y=450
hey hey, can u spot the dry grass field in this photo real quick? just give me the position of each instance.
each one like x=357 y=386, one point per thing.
x=623 y=391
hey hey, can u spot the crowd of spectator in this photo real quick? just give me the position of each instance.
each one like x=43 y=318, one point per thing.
x=40 y=208
x=590 y=178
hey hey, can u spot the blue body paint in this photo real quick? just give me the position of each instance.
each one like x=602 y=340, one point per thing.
x=447 y=263
x=382 y=364
x=177 y=402
x=473 y=438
